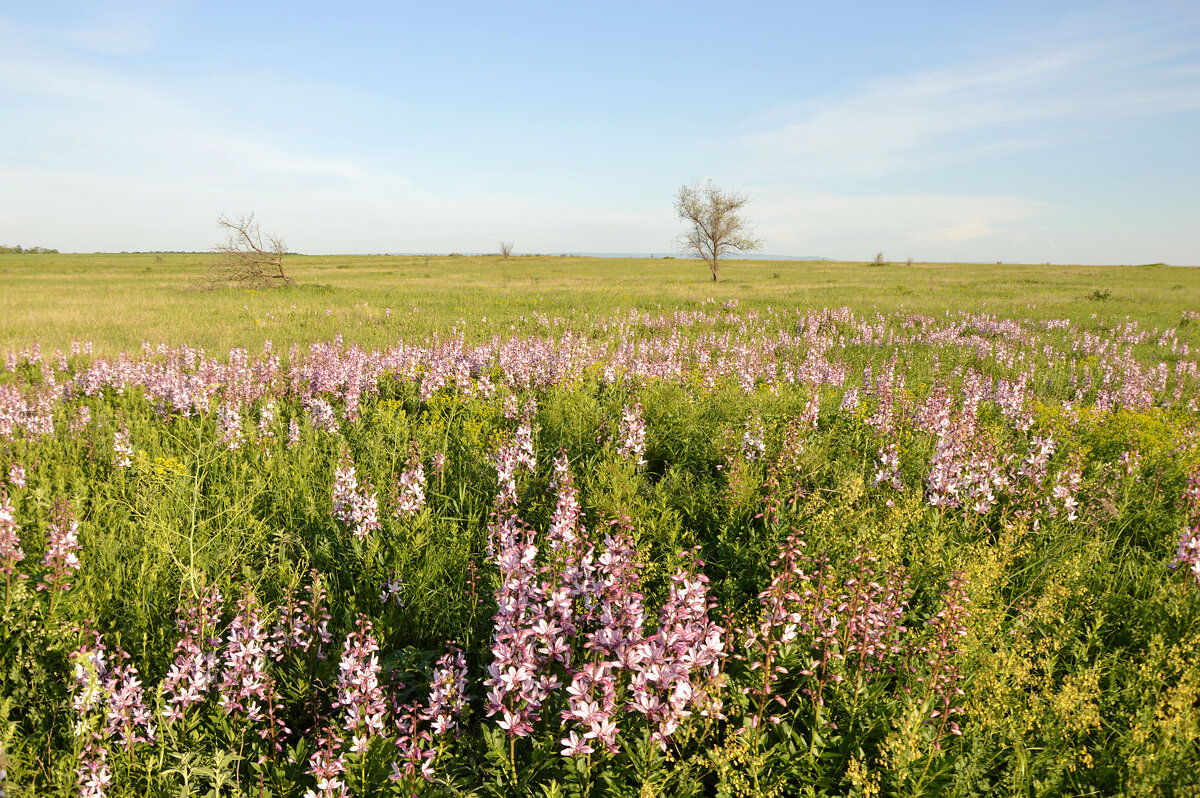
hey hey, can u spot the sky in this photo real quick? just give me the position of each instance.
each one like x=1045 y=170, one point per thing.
x=959 y=131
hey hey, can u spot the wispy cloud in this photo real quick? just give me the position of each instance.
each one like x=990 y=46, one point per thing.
x=110 y=122
x=119 y=27
x=925 y=224
x=120 y=39
x=1029 y=99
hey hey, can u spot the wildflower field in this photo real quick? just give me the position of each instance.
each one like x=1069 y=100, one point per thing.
x=815 y=530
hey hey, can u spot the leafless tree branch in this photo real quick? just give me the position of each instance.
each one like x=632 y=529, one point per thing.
x=248 y=257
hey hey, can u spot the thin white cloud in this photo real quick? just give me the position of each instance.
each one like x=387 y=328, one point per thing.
x=840 y=225
x=119 y=39
x=103 y=121
x=930 y=117
x=120 y=27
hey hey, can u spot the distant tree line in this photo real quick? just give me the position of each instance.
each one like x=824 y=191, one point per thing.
x=19 y=250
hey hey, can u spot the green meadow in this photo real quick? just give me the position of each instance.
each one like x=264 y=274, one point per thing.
x=598 y=528
x=120 y=301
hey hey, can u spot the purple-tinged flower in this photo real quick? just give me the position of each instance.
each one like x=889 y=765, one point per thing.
x=10 y=539
x=358 y=691
x=1066 y=483
x=93 y=774
x=122 y=449
x=632 y=433
x=16 y=475
x=81 y=421
x=327 y=765
x=511 y=458
x=523 y=440
x=575 y=745
x=322 y=415
x=592 y=704
x=945 y=658
x=1188 y=552
x=448 y=692
x=411 y=487
x=753 y=445
x=127 y=717
x=392 y=590
x=246 y=687
x=302 y=623
x=564 y=523
x=194 y=672
x=414 y=744
x=229 y=424
x=778 y=626
x=357 y=509
x=60 y=560
x=888 y=470
x=1131 y=460
x=90 y=674
x=266 y=421
x=677 y=670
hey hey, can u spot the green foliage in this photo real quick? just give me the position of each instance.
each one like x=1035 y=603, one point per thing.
x=1080 y=658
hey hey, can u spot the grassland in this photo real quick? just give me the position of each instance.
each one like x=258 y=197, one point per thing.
x=121 y=300
x=599 y=528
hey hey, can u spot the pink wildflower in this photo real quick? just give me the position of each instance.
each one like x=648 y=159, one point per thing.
x=60 y=560
x=632 y=433
x=10 y=540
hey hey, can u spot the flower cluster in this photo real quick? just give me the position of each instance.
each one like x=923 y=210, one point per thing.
x=411 y=487
x=945 y=658
x=122 y=449
x=517 y=685
x=128 y=719
x=513 y=456
x=327 y=764
x=1188 y=553
x=229 y=424
x=391 y=590
x=632 y=433
x=266 y=421
x=60 y=560
x=358 y=691
x=753 y=445
x=777 y=628
x=194 y=672
x=10 y=539
x=357 y=508
x=93 y=774
x=676 y=672
x=246 y=687
x=448 y=691
x=303 y=623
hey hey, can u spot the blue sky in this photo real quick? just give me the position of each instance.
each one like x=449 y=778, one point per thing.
x=1015 y=131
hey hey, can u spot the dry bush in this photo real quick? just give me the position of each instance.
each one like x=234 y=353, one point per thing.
x=248 y=258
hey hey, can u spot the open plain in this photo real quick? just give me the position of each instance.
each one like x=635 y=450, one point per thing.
x=554 y=526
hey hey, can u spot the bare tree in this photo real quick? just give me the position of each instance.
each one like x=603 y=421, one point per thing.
x=506 y=248
x=249 y=257
x=718 y=226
